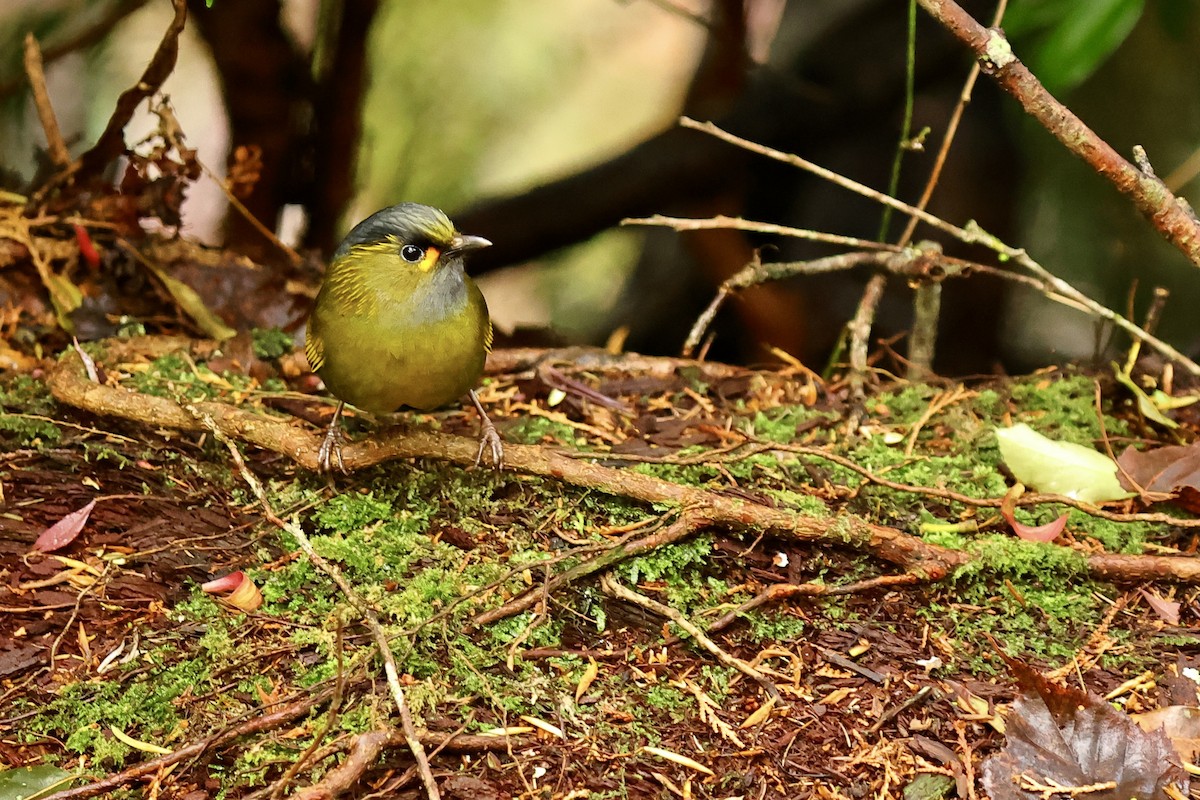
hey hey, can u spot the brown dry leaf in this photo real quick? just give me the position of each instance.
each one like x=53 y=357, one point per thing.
x=245 y=170
x=585 y=681
x=1167 y=610
x=1181 y=724
x=1169 y=469
x=1063 y=737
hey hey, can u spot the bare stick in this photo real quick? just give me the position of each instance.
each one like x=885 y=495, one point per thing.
x=112 y=140
x=1170 y=215
x=928 y=561
x=737 y=223
x=939 y=162
x=822 y=172
x=922 y=344
x=860 y=332
x=41 y=101
x=79 y=41
x=970 y=234
x=686 y=525
x=612 y=587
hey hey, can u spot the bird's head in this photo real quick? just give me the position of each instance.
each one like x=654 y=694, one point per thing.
x=420 y=236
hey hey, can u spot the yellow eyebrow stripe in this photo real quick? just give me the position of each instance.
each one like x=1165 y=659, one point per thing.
x=430 y=258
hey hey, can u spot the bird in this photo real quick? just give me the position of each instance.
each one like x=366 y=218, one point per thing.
x=398 y=323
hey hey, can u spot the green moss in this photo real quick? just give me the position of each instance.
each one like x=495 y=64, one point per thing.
x=775 y=626
x=26 y=413
x=780 y=424
x=1064 y=409
x=669 y=561
x=539 y=430
x=271 y=343
x=144 y=708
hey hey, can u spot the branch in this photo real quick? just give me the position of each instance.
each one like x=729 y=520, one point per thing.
x=1171 y=215
x=41 y=100
x=928 y=561
x=972 y=233
x=112 y=141
x=69 y=385
x=84 y=39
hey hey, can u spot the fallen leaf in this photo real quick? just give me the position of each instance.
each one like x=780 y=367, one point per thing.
x=1059 y=467
x=243 y=593
x=1181 y=724
x=23 y=783
x=544 y=726
x=1169 y=469
x=1030 y=533
x=63 y=532
x=1167 y=610
x=1059 y=736
x=137 y=744
x=585 y=680
x=681 y=760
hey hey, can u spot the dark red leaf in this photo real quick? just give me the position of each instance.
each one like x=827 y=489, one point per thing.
x=63 y=532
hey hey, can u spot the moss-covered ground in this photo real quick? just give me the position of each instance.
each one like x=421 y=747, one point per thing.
x=111 y=652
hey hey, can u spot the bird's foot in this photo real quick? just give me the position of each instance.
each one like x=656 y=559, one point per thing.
x=490 y=442
x=489 y=438
x=331 y=450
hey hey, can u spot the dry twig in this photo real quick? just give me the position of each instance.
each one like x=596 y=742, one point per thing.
x=614 y=588
x=41 y=101
x=1170 y=215
x=913 y=554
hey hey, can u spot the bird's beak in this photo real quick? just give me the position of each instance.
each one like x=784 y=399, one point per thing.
x=461 y=243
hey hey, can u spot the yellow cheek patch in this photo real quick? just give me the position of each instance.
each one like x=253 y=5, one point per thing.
x=430 y=258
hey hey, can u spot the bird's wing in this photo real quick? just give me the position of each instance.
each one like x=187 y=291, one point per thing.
x=487 y=337
x=314 y=348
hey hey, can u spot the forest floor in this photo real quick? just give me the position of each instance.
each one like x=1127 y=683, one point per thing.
x=842 y=604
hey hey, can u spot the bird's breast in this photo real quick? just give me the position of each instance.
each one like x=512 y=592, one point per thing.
x=422 y=349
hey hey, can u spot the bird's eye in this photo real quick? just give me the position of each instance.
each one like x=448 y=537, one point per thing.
x=412 y=254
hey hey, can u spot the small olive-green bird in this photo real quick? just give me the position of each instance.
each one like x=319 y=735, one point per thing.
x=398 y=322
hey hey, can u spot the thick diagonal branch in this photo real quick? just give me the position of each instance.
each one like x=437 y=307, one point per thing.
x=1171 y=215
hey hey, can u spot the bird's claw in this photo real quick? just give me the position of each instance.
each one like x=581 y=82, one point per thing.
x=331 y=449
x=490 y=441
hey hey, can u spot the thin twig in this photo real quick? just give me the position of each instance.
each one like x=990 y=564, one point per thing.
x=972 y=233
x=939 y=162
x=41 y=101
x=680 y=529
x=85 y=38
x=275 y=719
x=1170 y=215
x=68 y=384
x=612 y=587
x=722 y=222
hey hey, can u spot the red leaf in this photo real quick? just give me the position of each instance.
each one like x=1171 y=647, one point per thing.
x=1030 y=533
x=1038 y=533
x=63 y=532
x=243 y=593
x=86 y=248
